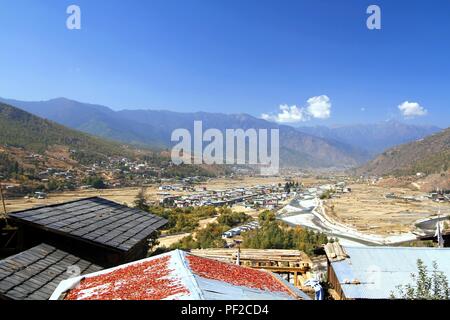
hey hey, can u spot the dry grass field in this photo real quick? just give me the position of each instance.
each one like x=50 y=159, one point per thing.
x=367 y=209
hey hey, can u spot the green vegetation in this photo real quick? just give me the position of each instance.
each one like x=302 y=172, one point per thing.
x=425 y=285
x=24 y=130
x=418 y=243
x=95 y=181
x=266 y=216
x=231 y=219
x=433 y=163
x=141 y=200
x=290 y=185
x=272 y=235
x=428 y=155
x=327 y=194
x=277 y=235
x=9 y=168
x=186 y=220
x=183 y=219
x=184 y=170
x=59 y=185
x=209 y=237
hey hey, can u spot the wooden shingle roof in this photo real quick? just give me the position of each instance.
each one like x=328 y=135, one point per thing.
x=96 y=220
x=35 y=273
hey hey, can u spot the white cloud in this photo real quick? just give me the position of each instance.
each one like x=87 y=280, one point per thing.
x=412 y=109
x=287 y=114
x=318 y=107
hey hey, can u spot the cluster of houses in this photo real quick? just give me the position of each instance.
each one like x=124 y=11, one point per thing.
x=437 y=196
x=97 y=249
x=392 y=195
x=48 y=173
x=236 y=231
x=336 y=189
x=116 y=171
x=440 y=196
x=261 y=196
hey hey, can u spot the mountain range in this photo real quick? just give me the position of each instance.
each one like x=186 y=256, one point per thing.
x=307 y=147
x=428 y=155
x=20 y=129
x=373 y=138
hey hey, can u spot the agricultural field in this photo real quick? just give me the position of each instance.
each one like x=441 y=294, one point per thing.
x=368 y=210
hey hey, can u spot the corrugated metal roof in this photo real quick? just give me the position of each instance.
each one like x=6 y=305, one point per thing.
x=94 y=219
x=377 y=271
x=175 y=275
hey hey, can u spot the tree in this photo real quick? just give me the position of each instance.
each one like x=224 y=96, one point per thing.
x=153 y=240
x=184 y=223
x=96 y=182
x=209 y=237
x=425 y=286
x=232 y=219
x=327 y=194
x=287 y=187
x=276 y=235
x=185 y=243
x=266 y=216
x=141 y=200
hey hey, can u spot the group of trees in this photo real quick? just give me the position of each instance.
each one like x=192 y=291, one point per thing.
x=185 y=170
x=187 y=219
x=59 y=185
x=288 y=186
x=183 y=219
x=208 y=237
x=24 y=130
x=9 y=168
x=425 y=285
x=231 y=219
x=95 y=182
x=274 y=234
x=327 y=194
x=271 y=235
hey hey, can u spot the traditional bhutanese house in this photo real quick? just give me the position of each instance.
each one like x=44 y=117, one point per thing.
x=35 y=273
x=98 y=230
x=178 y=275
x=376 y=272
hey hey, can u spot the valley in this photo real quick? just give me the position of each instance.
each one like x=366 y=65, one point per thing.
x=367 y=214
x=391 y=199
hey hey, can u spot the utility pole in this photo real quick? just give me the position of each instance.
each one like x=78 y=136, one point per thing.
x=5 y=214
x=439 y=229
x=238 y=256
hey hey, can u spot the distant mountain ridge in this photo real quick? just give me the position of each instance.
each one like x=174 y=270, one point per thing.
x=20 y=129
x=153 y=128
x=374 y=138
x=428 y=155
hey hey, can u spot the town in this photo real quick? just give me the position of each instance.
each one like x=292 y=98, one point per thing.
x=223 y=220
x=224 y=154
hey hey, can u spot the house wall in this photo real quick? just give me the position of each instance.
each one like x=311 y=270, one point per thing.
x=334 y=282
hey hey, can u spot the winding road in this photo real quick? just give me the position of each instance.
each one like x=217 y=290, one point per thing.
x=313 y=216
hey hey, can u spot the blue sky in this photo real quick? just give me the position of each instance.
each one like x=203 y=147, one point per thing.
x=234 y=56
